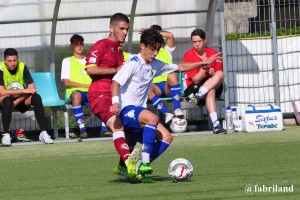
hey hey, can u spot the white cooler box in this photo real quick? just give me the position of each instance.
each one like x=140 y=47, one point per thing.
x=262 y=118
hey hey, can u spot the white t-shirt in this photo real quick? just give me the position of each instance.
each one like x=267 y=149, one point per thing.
x=170 y=51
x=66 y=65
x=135 y=79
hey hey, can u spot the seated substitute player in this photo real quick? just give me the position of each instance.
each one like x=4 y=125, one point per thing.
x=130 y=89
x=166 y=85
x=17 y=91
x=204 y=85
x=76 y=81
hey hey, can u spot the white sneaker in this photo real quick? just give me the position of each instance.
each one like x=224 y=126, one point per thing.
x=178 y=113
x=44 y=137
x=168 y=118
x=6 y=140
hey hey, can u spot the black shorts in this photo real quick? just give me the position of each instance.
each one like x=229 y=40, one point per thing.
x=22 y=107
x=194 y=88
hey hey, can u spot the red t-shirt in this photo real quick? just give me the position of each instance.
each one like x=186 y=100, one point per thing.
x=104 y=53
x=191 y=56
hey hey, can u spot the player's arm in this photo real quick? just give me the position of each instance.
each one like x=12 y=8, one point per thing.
x=69 y=83
x=98 y=70
x=31 y=90
x=6 y=92
x=182 y=67
x=169 y=37
x=115 y=90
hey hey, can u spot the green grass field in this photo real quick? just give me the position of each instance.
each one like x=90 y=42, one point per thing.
x=223 y=166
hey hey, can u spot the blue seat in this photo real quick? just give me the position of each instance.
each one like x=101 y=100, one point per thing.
x=46 y=87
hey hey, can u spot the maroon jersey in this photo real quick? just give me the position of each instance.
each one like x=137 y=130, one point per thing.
x=104 y=53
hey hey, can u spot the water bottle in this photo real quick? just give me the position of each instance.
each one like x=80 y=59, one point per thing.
x=235 y=118
x=228 y=119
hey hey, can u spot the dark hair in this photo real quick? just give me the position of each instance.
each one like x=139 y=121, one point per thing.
x=76 y=39
x=156 y=27
x=118 y=17
x=198 y=32
x=151 y=37
x=10 y=52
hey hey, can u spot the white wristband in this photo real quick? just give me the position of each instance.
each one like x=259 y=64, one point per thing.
x=115 y=99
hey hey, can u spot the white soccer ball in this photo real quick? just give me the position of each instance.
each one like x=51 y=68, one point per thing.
x=180 y=169
x=178 y=125
x=15 y=86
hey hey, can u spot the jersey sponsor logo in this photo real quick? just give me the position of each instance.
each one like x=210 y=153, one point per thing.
x=130 y=114
x=92 y=60
x=134 y=58
x=144 y=147
x=93 y=53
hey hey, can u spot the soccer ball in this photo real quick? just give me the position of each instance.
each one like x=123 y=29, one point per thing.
x=15 y=86
x=180 y=169
x=178 y=125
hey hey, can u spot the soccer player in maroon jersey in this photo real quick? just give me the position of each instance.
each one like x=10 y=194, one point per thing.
x=104 y=59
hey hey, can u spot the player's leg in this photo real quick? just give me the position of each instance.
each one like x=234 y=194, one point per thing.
x=121 y=168
x=7 y=106
x=163 y=141
x=211 y=106
x=100 y=107
x=208 y=84
x=38 y=108
x=173 y=89
x=77 y=99
x=157 y=91
x=149 y=122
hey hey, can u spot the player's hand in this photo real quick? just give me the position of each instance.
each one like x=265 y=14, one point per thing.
x=115 y=108
x=29 y=91
x=204 y=67
x=213 y=58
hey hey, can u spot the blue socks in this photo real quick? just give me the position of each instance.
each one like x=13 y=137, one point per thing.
x=175 y=93
x=149 y=136
x=78 y=113
x=158 y=104
x=158 y=148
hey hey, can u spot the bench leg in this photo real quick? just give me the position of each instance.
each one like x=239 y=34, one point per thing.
x=67 y=129
x=55 y=126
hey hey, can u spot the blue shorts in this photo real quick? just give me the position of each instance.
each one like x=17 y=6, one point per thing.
x=130 y=118
x=84 y=98
x=162 y=86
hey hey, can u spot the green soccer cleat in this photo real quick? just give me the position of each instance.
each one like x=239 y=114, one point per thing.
x=120 y=171
x=147 y=180
x=138 y=178
x=132 y=161
x=145 y=169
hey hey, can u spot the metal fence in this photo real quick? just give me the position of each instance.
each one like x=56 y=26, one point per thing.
x=40 y=30
x=261 y=42
x=259 y=38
